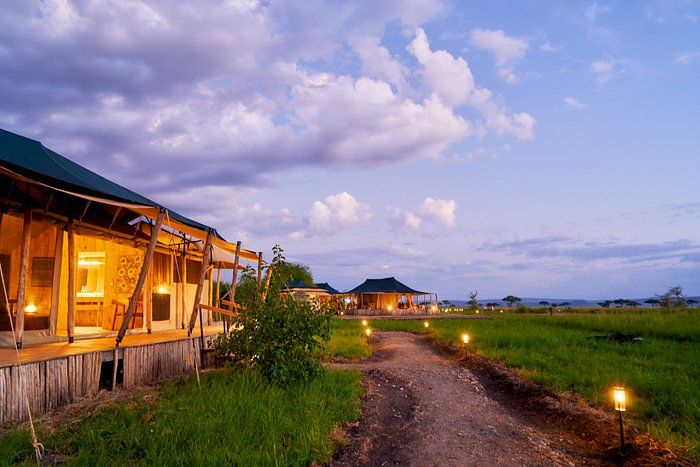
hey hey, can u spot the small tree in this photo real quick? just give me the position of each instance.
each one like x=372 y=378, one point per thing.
x=673 y=298
x=653 y=302
x=544 y=303
x=276 y=334
x=473 y=303
x=510 y=299
x=691 y=302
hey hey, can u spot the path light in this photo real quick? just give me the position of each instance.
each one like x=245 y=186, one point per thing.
x=501 y=311
x=477 y=312
x=368 y=332
x=620 y=398
x=465 y=338
x=426 y=324
x=364 y=322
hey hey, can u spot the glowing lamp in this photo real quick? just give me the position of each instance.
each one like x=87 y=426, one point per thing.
x=368 y=332
x=619 y=397
x=364 y=322
x=342 y=313
x=433 y=308
x=465 y=338
x=477 y=312
x=30 y=309
x=162 y=290
x=389 y=308
x=426 y=324
x=501 y=311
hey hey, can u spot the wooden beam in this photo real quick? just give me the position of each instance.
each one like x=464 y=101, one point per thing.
x=183 y=283
x=222 y=311
x=142 y=276
x=218 y=287
x=200 y=284
x=232 y=305
x=234 y=275
x=23 y=268
x=70 y=228
x=56 y=283
x=267 y=283
x=260 y=266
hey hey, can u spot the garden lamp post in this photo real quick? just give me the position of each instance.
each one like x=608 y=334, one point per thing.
x=426 y=324
x=465 y=341
x=620 y=397
x=368 y=332
x=364 y=322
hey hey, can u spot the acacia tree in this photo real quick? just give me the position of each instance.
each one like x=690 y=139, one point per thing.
x=654 y=302
x=473 y=303
x=673 y=298
x=544 y=303
x=510 y=299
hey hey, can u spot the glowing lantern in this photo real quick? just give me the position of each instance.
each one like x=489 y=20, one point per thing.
x=465 y=338
x=30 y=309
x=368 y=332
x=477 y=312
x=389 y=308
x=364 y=322
x=620 y=398
x=426 y=324
x=162 y=289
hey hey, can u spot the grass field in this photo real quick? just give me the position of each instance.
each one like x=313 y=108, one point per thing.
x=235 y=419
x=662 y=372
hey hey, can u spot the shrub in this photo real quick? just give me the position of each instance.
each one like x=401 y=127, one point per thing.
x=277 y=333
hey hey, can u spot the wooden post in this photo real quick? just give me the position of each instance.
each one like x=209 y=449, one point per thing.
x=218 y=288
x=260 y=266
x=56 y=284
x=267 y=283
x=23 y=268
x=142 y=276
x=183 y=283
x=206 y=256
x=70 y=228
x=234 y=275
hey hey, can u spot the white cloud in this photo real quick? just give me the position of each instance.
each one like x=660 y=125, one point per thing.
x=507 y=50
x=594 y=9
x=439 y=211
x=547 y=47
x=452 y=81
x=604 y=69
x=684 y=58
x=336 y=212
x=573 y=102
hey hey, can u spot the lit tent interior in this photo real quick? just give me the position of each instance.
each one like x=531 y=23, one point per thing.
x=386 y=294
x=54 y=213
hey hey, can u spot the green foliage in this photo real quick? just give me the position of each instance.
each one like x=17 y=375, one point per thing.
x=347 y=342
x=277 y=334
x=236 y=418
x=673 y=298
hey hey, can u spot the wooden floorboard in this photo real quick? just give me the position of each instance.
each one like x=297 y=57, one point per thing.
x=48 y=351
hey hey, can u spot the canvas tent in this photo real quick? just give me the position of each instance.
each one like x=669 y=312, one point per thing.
x=328 y=288
x=79 y=254
x=301 y=289
x=386 y=294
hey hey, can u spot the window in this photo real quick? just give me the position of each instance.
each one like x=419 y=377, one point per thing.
x=91 y=274
x=42 y=272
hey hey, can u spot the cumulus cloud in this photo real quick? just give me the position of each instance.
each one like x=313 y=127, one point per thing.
x=336 y=212
x=431 y=216
x=451 y=80
x=506 y=50
x=594 y=9
x=573 y=102
x=603 y=69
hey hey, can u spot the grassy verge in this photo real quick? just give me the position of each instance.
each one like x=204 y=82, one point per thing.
x=661 y=372
x=347 y=342
x=236 y=418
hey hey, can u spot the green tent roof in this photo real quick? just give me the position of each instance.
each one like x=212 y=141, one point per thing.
x=325 y=286
x=300 y=285
x=33 y=161
x=386 y=285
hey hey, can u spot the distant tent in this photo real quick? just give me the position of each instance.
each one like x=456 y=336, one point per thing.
x=386 y=285
x=300 y=288
x=387 y=293
x=328 y=288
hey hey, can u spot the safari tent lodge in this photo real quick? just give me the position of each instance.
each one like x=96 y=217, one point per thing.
x=99 y=285
x=388 y=295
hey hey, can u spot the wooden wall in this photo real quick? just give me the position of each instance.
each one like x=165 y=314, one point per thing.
x=48 y=385
x=147 y=364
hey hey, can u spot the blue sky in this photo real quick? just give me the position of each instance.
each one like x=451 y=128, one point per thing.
x=534 y=148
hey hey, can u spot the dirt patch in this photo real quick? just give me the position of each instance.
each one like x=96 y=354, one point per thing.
x=387 y=411
x=466 y=410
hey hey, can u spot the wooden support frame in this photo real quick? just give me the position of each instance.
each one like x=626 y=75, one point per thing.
x=267 y=283
x=220 y=310
x=232 y=305
x=200 y=284
x=183 y=283
x=70 y=229
x=56 y=291
x=23 y=270
x=142 y=276
x=218 y=287
x=260 y=268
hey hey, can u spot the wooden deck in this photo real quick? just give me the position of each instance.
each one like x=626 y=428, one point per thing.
x=53 y=350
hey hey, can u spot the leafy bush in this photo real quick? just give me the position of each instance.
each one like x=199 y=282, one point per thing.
x=277 y=333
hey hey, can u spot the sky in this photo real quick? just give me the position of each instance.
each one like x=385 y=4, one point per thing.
x=542 y=149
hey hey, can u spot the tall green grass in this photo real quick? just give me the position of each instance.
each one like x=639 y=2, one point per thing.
x=235 y=418
x=347 y=342
x=662 y=372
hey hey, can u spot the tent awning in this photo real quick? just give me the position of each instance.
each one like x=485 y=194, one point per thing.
x=385 y=285
x=30 y=161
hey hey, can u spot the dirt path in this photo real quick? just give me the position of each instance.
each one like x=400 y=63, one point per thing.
x=422 y=407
